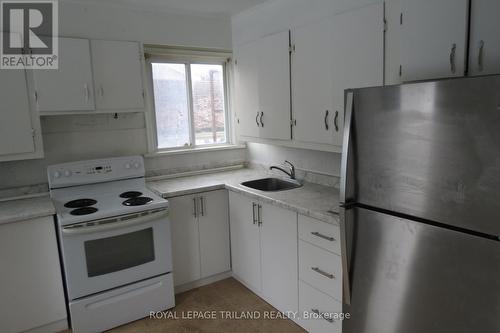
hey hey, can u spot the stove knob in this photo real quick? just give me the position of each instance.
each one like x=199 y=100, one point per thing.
x=67 y=173
x=127 y=166
x=57 y=174
x=136 y=165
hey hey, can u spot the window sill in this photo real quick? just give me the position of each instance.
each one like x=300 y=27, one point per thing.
x=194 y=150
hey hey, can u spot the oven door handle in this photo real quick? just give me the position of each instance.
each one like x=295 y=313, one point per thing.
x=112 y=224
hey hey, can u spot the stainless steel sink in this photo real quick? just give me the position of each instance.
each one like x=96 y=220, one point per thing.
x=272 y=184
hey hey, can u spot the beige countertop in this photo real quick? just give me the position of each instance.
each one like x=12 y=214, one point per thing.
x=25 y=209
x=317 y=201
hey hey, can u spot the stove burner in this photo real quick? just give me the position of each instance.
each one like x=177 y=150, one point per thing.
x=83 y=211
x=130 y=194
x=80 y=203
x=138 y=201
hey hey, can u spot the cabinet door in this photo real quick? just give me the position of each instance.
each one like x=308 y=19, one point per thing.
x=214 y=233
x=117 y=75
x=279 y=257
x=185 y=241
x=245 y=243
x=312 y=82
x=433 y=38
x=484 y=57
x=31 y=281
x=246 y=89
x=68 y=88
x=16 y=130
x=358 y=56
x=274 y=86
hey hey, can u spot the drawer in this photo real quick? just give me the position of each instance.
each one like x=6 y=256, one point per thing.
x=312 y=302
x=324 y=235
x=321 y=269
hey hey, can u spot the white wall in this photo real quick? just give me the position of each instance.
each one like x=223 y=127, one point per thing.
x=71 y=138
x=303 y=159
x=118 y=23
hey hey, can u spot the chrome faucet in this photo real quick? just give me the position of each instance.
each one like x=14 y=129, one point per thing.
x=290 y=173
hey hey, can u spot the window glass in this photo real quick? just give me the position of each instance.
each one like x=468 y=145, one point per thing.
x=171 y=104
x=208 y=104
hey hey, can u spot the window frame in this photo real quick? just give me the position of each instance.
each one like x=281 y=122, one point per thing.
x=187 y=58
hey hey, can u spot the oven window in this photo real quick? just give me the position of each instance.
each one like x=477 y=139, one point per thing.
x=112 y=254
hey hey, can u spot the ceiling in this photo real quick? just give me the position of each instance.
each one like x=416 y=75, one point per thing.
x=193 y=7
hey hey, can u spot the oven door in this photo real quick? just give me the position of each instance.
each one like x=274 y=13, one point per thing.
x=105 y=254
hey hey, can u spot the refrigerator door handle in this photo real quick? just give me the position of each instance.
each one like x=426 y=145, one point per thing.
x=345 y=250
x=346 y=148
x=345 y=185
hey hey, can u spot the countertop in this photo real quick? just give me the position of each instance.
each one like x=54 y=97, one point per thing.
x=313 y=200
x=25 y=209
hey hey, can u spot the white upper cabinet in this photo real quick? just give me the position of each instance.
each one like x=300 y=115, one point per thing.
x=312 y=82
x=19 y=126
x=358 y=56
x=68 y=88
x=117 y=75
x=484 y=54
x=433 y=38
x=246 y=89
x=274 y=86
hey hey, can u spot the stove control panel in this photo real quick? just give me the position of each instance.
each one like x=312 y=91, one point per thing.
x=95 y=171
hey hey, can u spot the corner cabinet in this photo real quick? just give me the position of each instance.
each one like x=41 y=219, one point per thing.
x=484 y=53
x=262 y=70
x=264 y=250
x=117 y=75
x=433 y=39
x=200 y=236
x=31 y=281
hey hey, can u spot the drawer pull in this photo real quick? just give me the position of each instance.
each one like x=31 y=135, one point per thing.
x=317 y=234
x=318 y=313
x=322 y=272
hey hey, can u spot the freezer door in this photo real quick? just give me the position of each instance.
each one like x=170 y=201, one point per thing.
x=412 y=277
x=430 y=150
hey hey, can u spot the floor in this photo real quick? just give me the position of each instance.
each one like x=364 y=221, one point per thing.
x=225 y=295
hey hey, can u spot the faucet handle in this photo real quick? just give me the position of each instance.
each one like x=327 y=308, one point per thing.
x=292 y=169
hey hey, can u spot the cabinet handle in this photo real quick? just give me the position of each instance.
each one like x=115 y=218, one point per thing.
x=326 y=120
x=86 y=92
x=322 y=272
x=452 y=58
x=253 y=212
x=259 y=213
x=335 y=121
x=195 y=210
x=261 y=116
x=257 y=119
x=202 y=204
x=480 y=56
x=317 y=312
x=317 y=234
x=36 y=96
x=101 y=91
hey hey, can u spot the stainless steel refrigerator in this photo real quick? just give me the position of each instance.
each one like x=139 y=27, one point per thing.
x=420 y=207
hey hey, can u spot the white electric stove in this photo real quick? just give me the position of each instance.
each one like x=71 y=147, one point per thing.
x=114 y=237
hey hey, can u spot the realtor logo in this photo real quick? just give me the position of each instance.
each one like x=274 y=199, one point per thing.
x=29 y=38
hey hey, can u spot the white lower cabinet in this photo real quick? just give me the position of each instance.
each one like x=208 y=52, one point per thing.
x=31 y=289
x=318 y=311
x=200 y=235
x=264 y=250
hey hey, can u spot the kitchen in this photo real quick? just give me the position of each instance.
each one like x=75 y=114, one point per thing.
x=136 y=180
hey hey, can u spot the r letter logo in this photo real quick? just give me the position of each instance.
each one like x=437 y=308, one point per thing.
x=29 y=38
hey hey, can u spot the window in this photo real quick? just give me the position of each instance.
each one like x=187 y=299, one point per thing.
x=189 y=102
